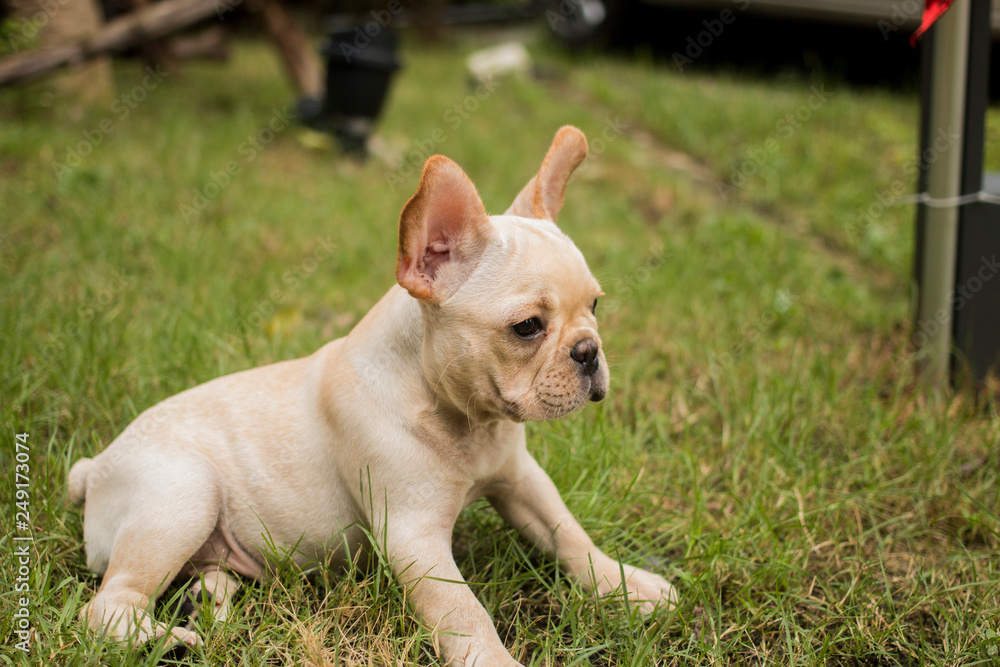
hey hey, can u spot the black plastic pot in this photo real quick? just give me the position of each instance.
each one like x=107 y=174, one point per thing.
x=359 y=70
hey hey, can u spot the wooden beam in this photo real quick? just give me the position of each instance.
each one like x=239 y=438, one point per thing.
x=150 y=22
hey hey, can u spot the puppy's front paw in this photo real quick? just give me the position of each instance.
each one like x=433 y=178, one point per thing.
x=486 y=658
x=647 y=591
x=650 y=592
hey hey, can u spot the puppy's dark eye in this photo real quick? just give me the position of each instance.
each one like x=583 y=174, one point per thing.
x=593 y=309
x=529 y=328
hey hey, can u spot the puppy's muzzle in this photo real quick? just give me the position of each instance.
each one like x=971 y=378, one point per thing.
x=584 y=354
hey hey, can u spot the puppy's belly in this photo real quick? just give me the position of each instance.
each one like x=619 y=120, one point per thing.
x=283 y=496
x=306 y=518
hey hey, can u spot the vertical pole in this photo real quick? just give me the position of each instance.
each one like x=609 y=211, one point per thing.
x=976 y=311
x=936 y=274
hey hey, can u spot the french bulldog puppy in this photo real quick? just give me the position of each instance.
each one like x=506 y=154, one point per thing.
x=393 y=429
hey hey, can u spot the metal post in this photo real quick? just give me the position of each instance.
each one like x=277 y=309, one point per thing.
x=976 y=310
x=936 y=272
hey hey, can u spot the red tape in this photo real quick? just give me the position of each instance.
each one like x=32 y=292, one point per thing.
x=933 y=9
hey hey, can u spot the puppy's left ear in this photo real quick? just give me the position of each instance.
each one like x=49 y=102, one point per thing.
x=542 y=197
x=442 y=232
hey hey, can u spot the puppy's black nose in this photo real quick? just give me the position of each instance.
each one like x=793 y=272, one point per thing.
x=585 y=354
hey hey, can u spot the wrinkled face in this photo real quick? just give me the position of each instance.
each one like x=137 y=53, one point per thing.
x=519 y=338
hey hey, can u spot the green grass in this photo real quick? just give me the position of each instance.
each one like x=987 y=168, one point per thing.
x=763 y=446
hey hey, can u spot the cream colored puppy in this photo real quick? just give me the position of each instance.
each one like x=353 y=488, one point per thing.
x=394 y=428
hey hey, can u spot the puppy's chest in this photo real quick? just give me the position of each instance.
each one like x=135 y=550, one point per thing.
x=480 y=457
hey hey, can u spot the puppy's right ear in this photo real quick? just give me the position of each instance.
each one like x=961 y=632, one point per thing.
x=442 y=232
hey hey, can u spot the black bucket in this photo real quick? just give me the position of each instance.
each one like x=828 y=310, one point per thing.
x=359 y=69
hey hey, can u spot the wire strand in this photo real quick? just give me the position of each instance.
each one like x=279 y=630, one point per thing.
x=948 y=202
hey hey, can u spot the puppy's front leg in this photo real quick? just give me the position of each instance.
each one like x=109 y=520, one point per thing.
x=530 y=502
x=423 y=563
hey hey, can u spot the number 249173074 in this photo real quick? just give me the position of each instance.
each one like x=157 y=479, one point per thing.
x=21 y=479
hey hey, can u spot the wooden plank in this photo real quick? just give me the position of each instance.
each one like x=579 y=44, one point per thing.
x=150 y=22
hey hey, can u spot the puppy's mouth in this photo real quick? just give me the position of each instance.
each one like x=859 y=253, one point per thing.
x=540 y=408
x=545 y=403
x=543 y=407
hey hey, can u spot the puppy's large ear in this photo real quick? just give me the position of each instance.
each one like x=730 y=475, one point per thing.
x=442 y=232
x=542 y=197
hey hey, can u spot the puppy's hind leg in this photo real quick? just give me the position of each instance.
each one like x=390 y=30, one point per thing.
x=169 y=512
x=212 y=592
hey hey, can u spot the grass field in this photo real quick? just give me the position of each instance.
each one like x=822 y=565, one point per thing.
x=763 y=446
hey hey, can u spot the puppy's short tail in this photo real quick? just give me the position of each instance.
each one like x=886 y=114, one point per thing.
x=78 y=480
